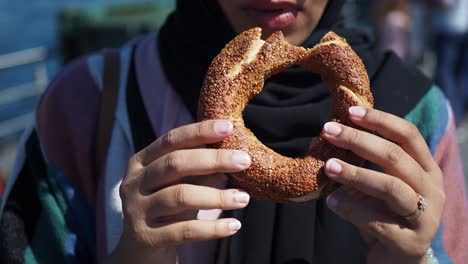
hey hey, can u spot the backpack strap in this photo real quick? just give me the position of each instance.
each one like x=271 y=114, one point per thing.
x=106 y=118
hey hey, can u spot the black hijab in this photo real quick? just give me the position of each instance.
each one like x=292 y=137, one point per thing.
x=291 y=110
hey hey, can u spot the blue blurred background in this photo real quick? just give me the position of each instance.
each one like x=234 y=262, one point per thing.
x=47 y=33
x=27 y=24
x=50 y=33
x=32 y=24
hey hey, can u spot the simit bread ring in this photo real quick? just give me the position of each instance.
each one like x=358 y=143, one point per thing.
x=238 y=73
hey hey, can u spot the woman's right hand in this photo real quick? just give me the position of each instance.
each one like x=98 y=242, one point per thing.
x=159 y=204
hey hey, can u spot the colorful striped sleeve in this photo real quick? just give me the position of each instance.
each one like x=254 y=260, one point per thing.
x=433 y=116
x=47 y=214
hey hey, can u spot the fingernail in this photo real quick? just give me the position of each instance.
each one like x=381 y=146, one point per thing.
x=241 y=197
x=234 y=225
x=332 y=201
x=357 y=111
x=241 y=158
x=332 y=128
x=333 y=168
x=223 y=127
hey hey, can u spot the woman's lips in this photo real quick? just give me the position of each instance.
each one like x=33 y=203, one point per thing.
x=275 y=19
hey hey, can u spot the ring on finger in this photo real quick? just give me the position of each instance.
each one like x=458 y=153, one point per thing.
x=422 y=206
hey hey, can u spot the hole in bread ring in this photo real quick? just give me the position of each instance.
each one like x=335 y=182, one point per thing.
x=238 y=73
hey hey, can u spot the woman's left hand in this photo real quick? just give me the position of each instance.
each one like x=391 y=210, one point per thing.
x=379 y=204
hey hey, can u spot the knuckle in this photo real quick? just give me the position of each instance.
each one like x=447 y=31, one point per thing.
x=220 y=157
x=393 y=188
x=124 y=191
x=202 y=129
x=142 y=235
x=393 y=153
x=188 y=232
x=168 y=140
x=353 y=177
x=181 y=195
x=173 y=160
x=222 y=199
x=380 y=117
x=354 y=137
x=137 y=159
x=128 y=187
x=124 y=187
x=410 y=131
x=131 y=204
x=378 y=227
x=442 y=197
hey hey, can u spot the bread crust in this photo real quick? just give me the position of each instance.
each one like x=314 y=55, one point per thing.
x=238 y=73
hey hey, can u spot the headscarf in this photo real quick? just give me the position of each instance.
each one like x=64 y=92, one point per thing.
x=290 y=110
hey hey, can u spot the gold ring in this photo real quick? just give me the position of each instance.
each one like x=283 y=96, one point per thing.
x=422 y=206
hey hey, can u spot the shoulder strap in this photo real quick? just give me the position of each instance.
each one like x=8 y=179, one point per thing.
x=110 y=89
x=140 y=124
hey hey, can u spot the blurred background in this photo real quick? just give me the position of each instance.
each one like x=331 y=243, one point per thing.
x=39 y=37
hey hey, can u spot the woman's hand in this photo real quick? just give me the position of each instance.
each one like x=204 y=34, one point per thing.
x=160 y=203
x=378 y=203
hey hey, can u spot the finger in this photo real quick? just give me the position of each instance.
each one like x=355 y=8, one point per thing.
x=182 y=197
x=397 y=130
x=181 y=163
x=400 y=198
x=388 y=155
x=189 y=136
x=194 y=231
x=367 y=215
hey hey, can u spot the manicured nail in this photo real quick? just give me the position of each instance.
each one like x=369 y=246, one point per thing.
x=241 y=197
x=332 y=201
x=333 y=168
x=223 y=127
x=357 y=111
x=234 y=225
x=332 y=128
x=241 y=158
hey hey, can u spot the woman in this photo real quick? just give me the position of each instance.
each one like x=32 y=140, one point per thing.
x=58 y=210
